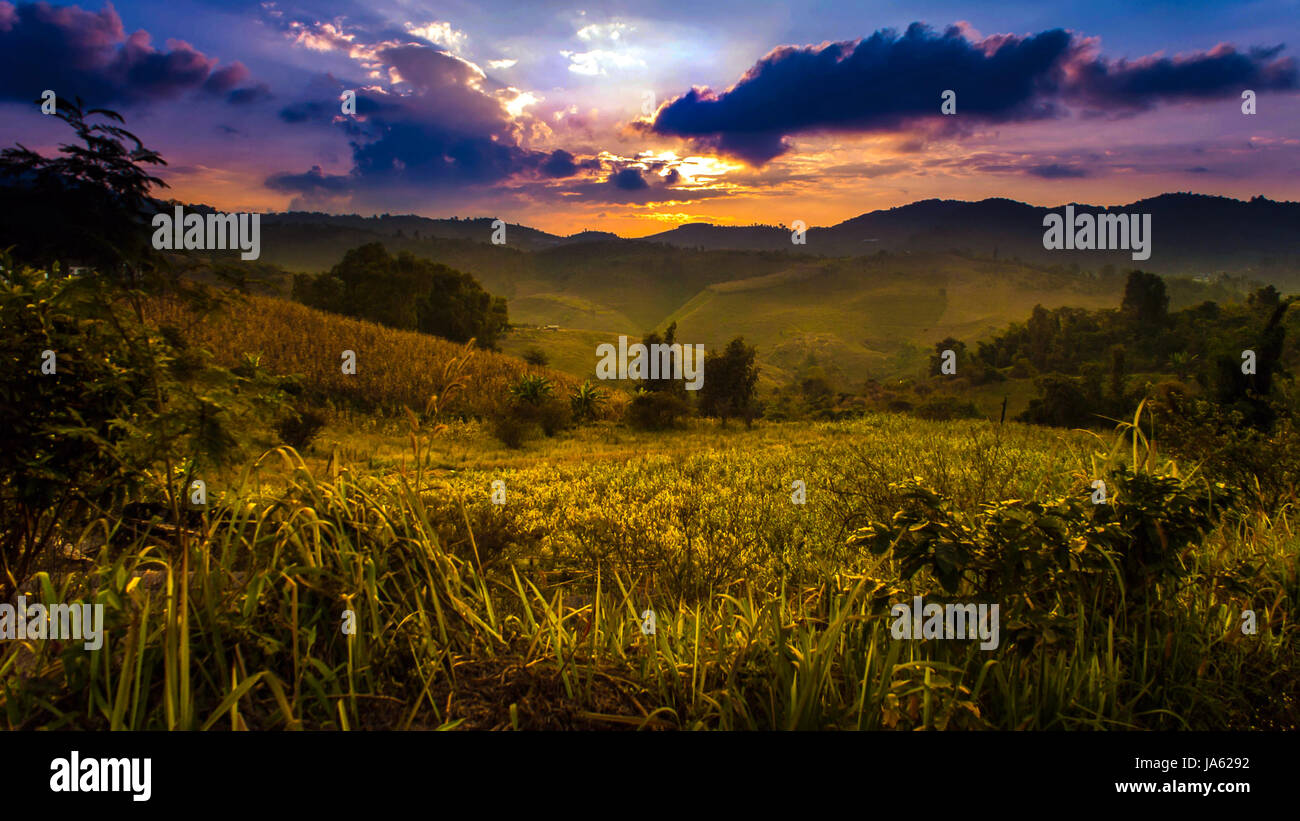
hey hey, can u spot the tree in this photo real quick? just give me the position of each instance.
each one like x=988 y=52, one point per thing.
x=406 y=291
x=949 y=344
x=730 y=380
x=1042 y=328
x=1145 y=299
x=1063 y=401
x=1265 y=299
x=89 y=206
x=666 y=383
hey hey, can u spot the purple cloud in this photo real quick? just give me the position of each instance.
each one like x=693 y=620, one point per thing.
x=85 y=54
x=889 y=82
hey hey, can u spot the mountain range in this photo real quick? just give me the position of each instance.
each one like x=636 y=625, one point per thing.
x=1193 y=234
x=868 y=297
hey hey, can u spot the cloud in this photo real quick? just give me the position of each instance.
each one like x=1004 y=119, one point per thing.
x=609 y=52
x=1056 y=171
x=559 y=164
x=629 y=179
x=440 y=127
x=314 y=181
x=891 y=82
x=1220 y=72
x=85 y=54
x=225 y=79
x=600 y=61
x=244 y=96
x=628 y=183
x=440 y=33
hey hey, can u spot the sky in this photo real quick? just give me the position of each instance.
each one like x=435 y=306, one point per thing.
x=637 y=117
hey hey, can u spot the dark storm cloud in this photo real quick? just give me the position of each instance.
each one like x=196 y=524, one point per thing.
x=888 y=82
x=88 y=54
x=627 y=185
x=1221 y=72
x=628 y=179
x=559 y=164
x=874 y=84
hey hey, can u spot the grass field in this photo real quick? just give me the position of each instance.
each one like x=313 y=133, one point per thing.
x=527 y=614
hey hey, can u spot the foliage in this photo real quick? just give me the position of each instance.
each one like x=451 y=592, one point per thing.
x=1262 y=465
x=1084 y=360
x=1040 y=552
x=1145 y=300
x=532 y=405
x=729 y=381
x=406 y=292
x=656 y=410
x=130 y=411
x=89 y=206
x=300 y=428
x=536 y=356
x=765 y=618
x=532 y=388
x=586 y=401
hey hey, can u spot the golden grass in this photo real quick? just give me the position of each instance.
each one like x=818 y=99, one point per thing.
x=395 y=368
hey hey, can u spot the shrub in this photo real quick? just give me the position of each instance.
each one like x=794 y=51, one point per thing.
x=536 y=356
x=586 y=401
x=531 y=406
x=531 y=388
x=511 y=431
x=128 y=413
x=300 y=428
x=656 y=410
x=1263 y=466
x=1036 y=555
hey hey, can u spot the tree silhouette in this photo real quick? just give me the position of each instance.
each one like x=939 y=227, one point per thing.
x=1145 y=299
x=730 y=379
x=89 y=206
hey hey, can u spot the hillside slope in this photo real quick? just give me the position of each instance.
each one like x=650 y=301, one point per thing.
x=394 y=368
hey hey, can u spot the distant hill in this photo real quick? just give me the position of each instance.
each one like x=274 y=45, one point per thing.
x=1192 y=234
x=867 y=297
x=478 y=229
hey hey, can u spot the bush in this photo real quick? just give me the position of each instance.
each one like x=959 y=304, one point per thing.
x=532 y=406
x=531 y=389
x=123 y=401
x=1264 y=466
x=511 y=431
x=299 y=429
x=1035 y=556
x=552 y=416
x=657 y=410
x=586 y=401
x=536 y=356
